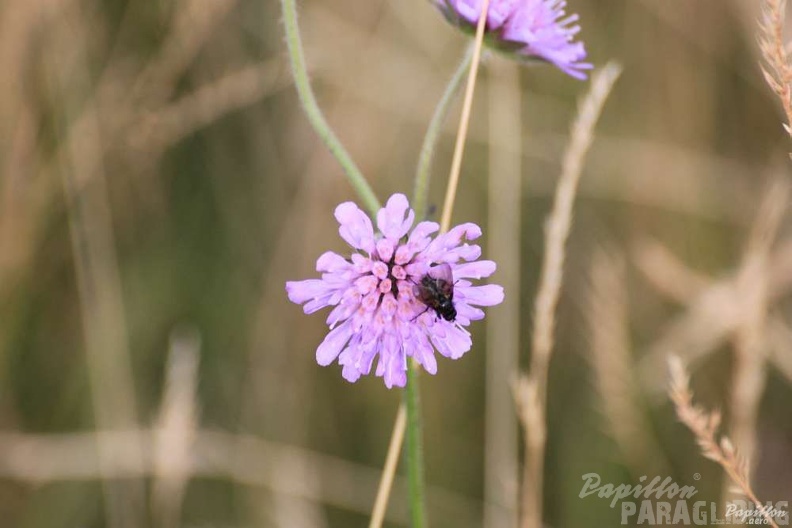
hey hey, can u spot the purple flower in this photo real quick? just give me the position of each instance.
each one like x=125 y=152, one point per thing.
x=377 y=314
x=531 y=29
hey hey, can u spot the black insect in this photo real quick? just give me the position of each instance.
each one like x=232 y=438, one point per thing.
x=436 y=291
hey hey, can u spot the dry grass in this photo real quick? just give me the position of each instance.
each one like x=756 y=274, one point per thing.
x=704 y=426
x=777 y=69
x=749 y=342
x=607 y=314
x=721 y=310
x=531 y=394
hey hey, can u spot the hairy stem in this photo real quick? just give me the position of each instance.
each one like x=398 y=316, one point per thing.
x=314 y=113
x=415 y=473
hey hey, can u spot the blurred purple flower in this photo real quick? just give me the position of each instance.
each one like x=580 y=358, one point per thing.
x=530 y=29
x=377 y=314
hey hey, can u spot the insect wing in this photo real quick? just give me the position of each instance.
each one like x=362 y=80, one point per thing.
x=442 y=272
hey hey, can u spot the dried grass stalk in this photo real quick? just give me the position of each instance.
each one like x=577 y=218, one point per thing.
x=176 y=429
x=749 y=340
x=777 y=70
x=607 y=314
x=666 y=273
x=158 y=130
x=192 y=26
x=97 y=272
x=556 y=234
x=704 y=426
x=243 y=459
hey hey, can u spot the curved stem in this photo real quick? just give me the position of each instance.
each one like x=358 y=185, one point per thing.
x=415 y=474
x=314 y=113
x=423 y=173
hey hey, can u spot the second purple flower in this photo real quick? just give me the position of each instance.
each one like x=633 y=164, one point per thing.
x=528 y=29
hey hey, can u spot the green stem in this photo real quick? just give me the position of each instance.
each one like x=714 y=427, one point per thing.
x=424 y=171
x=314 y=113
x=415 y=475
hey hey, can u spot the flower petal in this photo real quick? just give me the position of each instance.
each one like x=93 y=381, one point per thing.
x=350 y=373
x=355 y=227
x=487 y=295
x=332 y=262
x=423 y=352
x=333 y=343
x=440 y=246
x=395 y=374
x=390 y=219
x=300 y=292
x=466 y=252
x=450 y=340
x=474 y=270
x=467 y=313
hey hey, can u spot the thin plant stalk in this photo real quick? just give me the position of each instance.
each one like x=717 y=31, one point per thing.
x=423 y=173
x=557 y=229
x=464 y=121
x=389 y=471
x=97 y=274
x=314 y=113
x=704 y=426
x=415 y=470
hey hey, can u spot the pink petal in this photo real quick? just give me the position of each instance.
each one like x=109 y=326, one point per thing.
x=487 y=295
x=475 y=270
x=466 y=252
x=499 y=11
x=350 y=373
x=333 y=343
x=437 y=251
x=391 y=220
x=395 y=374
x=423 y=353
x=385 y=249
x=305 y=290
x=467 y=231
x=350 y=359
x=467 y=313
x=332 y=262
x=450 y=340
x=342 y=311
x=355 y=226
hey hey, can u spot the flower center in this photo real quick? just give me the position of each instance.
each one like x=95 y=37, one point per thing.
x=389 y=274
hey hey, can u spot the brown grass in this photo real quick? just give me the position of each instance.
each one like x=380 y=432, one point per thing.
x=531 y=394
x=777 y=69
x=704 y=426
x=608 y=316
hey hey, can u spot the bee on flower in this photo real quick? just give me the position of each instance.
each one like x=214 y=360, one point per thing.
x=401 y=294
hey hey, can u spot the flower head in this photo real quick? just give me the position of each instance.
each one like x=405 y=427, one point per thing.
x=379 y=313
x=529 y=29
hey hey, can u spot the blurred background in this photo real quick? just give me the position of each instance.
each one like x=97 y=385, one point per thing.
x=159 y=183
